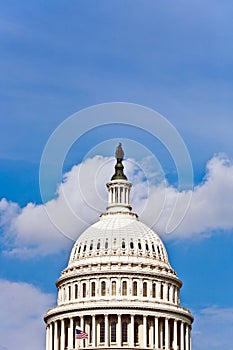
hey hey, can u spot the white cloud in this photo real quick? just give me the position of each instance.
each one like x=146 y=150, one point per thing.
x=43 y=229
x=212 y=329
x=212 y=205
x=22 y=308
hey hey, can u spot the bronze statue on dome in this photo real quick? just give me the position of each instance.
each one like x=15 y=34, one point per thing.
x=119 y=154
x=119 y=168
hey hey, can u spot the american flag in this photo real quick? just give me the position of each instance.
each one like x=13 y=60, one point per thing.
x=80 y=334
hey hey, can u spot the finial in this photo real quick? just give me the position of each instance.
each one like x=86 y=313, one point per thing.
x=119 y=154
x=119 y=173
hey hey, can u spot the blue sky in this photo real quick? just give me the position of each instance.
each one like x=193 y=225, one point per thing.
x=57 y=58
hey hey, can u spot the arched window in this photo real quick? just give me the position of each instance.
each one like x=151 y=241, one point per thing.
x=161 y=291
x=124 y=288
x=84 y=248
x=103 y=288
x=69 y=292
x=144 y=289
x=159 y=250
x=64 y=294
x=113 y=287
x=93 y=289
x=76 y=291
x=102 y=332
x=135 y=333
x=84 y=290
x=113 y=332
x=168 y=292
x=154 y=290
x=91 y=246
x=139 y=246
x=147 y=247
x=135 y=288
x=116 y=195
x=106 y=244
x=123 y=244
x=124 y=332
x=131 y=245
x=98 y=245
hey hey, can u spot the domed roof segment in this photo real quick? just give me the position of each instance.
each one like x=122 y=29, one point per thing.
x=119 y=232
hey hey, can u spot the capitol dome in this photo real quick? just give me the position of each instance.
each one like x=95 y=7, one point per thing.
x=118 y=290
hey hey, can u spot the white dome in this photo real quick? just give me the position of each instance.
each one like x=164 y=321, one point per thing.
x=118 y=289
x=119 y=234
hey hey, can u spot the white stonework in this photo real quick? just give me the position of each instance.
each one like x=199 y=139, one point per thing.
x=119 y=286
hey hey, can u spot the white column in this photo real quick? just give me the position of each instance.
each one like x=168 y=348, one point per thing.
x=175 y=335
x=151 y=335
x=71 y=334
x=182 y=336
x=47 y=337
x=62 y=335
x=166 y=333
x=187 y=337
x=144 y=331
x=119 y=330
x=55 y=336
x=156 y=330
x=93 y=331
x=176 y=295
x=161 y=333
x=88 y=331
x=82 y=329
x=132 y=331
x=190 y=339
x=76 y=341
x=114 y=194
x=51 y=336
x=106 y=330
x=171 y=293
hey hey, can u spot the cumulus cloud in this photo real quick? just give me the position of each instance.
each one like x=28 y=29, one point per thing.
x=22 y=308
x=212 y=205
x=210 y=209
x=52 y=226
x=213 y=329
